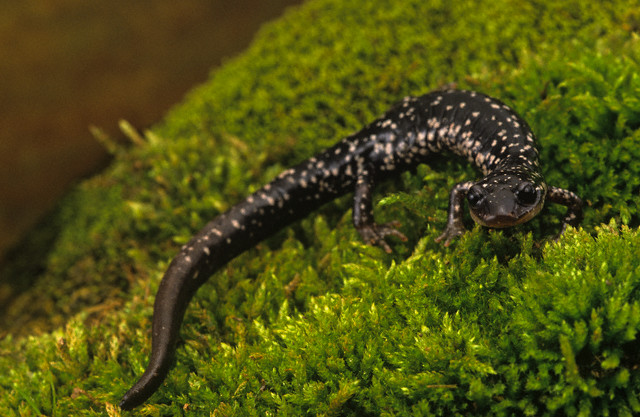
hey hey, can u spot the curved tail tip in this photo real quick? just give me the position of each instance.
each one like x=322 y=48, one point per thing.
x=141 y=391
x=129 y=401
x=124 y=406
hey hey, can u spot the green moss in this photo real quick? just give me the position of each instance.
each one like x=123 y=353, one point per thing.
x=314 y=322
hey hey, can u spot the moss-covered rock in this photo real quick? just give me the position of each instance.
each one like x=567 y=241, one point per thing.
x=314 y=322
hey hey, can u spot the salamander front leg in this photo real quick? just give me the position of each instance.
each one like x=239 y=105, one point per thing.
x=372 y=233
x=573 y=203
x=454 y=226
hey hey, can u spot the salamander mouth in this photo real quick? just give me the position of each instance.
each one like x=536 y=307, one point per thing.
x=500 y=221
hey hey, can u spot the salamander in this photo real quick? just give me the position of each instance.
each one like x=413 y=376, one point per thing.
x=472 y=125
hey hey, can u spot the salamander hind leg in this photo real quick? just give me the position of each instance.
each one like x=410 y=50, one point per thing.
x=374 y=234
x=371 y=232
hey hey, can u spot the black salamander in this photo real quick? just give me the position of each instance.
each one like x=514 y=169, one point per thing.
x=472 y=125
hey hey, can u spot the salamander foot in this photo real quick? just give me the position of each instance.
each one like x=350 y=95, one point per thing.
x=375 y=234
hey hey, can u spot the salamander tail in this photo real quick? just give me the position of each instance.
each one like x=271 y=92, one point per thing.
x=176 y=290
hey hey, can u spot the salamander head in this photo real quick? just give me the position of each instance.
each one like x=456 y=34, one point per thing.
x=506 y=198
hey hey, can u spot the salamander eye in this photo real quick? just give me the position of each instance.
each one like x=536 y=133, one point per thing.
x=474 y=197
x=526 y=194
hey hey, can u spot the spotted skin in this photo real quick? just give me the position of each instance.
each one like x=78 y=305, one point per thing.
x=481 y=129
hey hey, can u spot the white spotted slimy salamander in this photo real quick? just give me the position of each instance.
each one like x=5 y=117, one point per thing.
x=473 y=125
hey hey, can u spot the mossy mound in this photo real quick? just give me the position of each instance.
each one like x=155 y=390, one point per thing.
x=314 y=322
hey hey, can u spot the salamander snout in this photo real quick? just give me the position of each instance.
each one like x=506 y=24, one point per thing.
x=499 y=204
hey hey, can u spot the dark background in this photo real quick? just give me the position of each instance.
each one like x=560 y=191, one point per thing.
x=68 y=64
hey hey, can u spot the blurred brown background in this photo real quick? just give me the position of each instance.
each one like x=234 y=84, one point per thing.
x=69 y=64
